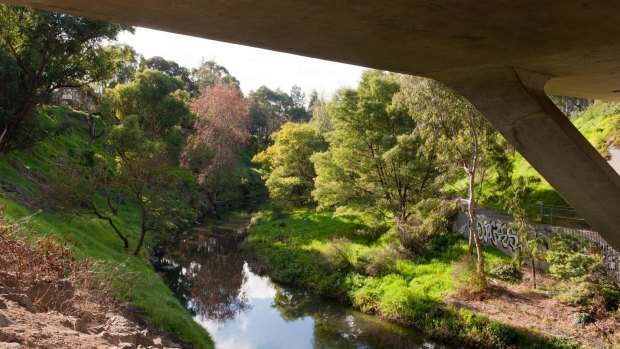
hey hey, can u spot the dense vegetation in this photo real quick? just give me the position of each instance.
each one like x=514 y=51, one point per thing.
x=113 y=153
x=362 y=199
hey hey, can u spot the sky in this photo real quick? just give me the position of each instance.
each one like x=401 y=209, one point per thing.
x=252 y=66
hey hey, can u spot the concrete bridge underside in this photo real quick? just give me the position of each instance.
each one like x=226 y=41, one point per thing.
x=503 y=55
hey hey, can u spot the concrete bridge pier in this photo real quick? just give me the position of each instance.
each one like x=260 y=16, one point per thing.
x=514 y=101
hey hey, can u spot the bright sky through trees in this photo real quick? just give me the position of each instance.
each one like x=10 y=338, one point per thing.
x=253 y=67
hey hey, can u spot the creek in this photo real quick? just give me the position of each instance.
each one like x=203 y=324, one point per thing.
x=209 y=273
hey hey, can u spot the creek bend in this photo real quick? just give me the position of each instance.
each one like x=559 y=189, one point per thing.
x=209 y=273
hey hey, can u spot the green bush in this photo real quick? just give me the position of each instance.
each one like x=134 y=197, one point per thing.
x=470 y=283
x=505 y=271
x=339 y=254
x=501 y=333
x=570 y=259
x=611 y=297
x=432 y=218
x=564 y=343
x=580 y=293
x=384 y=261
x=583 y=319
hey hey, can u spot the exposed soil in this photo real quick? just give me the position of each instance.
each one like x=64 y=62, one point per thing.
x=521 y=305
x=41 y=307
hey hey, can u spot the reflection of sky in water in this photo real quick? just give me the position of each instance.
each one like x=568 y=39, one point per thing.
x=260 y=326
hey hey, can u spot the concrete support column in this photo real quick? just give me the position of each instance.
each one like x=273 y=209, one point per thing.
x=515 y=103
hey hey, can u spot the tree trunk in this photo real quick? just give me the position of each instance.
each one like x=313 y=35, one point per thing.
x=473 y=235
x=11 y=127
x=534 y=273
x=142 y=227
x=118 y=232
x=6 y=127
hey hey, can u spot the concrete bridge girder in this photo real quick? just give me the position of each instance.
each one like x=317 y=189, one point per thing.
x=514 y=101
x=499 y=54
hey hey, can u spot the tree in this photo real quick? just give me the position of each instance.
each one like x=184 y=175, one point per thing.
x=126 y=64
x=209 y=73
x=160 y=104
x=290 y=173
x=458 y=133
x=42 y=52
x=268 y=111
x=221 y=130
x=374 y=159
x=151 y=180
x=533 y=243
x=298 y=112
x=77 y=182
x=152 y=111
x=172 y=69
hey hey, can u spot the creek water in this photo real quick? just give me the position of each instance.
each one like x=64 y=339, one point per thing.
x=208 y=272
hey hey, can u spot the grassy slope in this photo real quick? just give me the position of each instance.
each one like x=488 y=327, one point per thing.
x=600 y=124
x=90 y=237
x=293 y=247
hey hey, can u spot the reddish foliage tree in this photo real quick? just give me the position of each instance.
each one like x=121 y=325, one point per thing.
x=221 y=129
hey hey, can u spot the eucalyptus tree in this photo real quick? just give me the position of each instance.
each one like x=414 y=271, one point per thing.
x=41 y=52
x=153 y=110
x=209 y=73
x=269 y=110
x=374 y=158
x=456 y=132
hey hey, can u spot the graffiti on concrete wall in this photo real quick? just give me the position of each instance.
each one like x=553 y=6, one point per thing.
x=499 y=234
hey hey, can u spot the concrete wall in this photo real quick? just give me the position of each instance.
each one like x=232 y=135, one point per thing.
x=495 y=230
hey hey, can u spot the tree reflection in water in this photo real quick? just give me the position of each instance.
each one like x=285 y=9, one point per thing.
x=207 y=271
x=210 y=278
x=336 y=326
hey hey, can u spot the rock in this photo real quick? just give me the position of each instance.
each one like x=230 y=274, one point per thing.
x=22 y=300
x=126 y=346
x=2 y=304
x=75 y=324
x=169 y=344
x=143 y=339
x=158 y=343
x=105 y=336
x=4 y=321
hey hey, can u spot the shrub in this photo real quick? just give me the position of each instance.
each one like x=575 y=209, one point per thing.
x=583 y=319
x=470 y=284
x=611 y=297
x=339 y=254
x=505 y=271
x=432 y=219
x=570 y=259
x=581 y=293
x=501 y=333
x=384 y=261
x=564 y=343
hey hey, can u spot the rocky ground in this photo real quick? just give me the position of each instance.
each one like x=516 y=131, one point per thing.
x=50 y=300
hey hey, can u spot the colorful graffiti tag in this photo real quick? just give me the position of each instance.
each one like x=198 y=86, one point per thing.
x=499 y=234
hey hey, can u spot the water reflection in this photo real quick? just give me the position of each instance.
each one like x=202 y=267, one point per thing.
x=244 y=310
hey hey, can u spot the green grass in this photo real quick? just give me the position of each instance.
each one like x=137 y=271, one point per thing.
x=294 y=248
x=600 y=125
x=90 y=237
